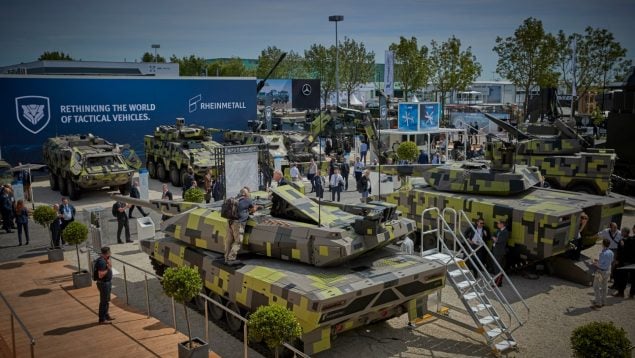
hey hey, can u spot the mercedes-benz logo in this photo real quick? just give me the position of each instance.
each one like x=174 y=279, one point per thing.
x=306 y=89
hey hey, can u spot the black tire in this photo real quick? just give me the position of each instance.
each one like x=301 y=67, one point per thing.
x=161 y=174
x=175 y=176
x=54 y=181
x=63 y=186
x=152 y=169
x=215 y=312
x=73 y=190
x=158 y=267
x=124 y=189
x=233 y=323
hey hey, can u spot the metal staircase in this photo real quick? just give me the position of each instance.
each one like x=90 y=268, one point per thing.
x=489 y=308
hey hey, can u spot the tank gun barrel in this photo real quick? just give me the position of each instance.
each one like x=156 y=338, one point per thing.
x=261 y=84
x=167 y=207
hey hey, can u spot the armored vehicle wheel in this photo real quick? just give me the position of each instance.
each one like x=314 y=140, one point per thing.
x=73 y=190
x=63 y=186
x=215 y=312
x=161 y=174
x=233 y=323
x=583 y=188
x=124 y=189
x=175 y=176
x=152 y=169
x=54 y=181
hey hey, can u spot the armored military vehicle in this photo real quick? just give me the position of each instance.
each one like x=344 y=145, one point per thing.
x=559 y=152
x=172 y=149
x=86 y=162
x=334 y=267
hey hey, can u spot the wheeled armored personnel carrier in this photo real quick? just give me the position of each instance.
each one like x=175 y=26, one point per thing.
x=172 y=149
x=560 y=154
x=334 y=267
x=86 y=162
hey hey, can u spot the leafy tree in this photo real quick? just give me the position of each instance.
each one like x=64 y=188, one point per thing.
x=55 y=56
x=291 y=67
x=528 y=57
x=194 y=195
x=190 y=66
x=357 y=66
x=148 y=57
x=75 y=233
x=412 y=67
x=452 y=69
x=319 y=62
x=232 y=67
x=596 y=54
x=600 y=339
x=274 y=325
x=408 y=151
x=183 y=284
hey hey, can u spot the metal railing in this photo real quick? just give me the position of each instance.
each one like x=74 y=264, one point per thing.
x=15 y=317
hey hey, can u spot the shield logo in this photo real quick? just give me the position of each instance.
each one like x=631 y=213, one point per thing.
x=33 y=112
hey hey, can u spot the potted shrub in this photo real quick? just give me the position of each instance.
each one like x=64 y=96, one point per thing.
x=600 y=339
x=76 y=233
x=194 y=195
x=274 y=325
x=183 y=284
x=408 y=151
x=45 y=215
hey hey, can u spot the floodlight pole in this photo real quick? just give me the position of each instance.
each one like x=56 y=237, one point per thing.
x=155 y=47
x=336 y=19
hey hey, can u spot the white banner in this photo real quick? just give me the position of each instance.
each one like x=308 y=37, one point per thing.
x=389 y=74
x=241 y=169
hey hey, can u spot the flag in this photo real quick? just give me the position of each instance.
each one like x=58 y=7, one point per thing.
x=388 y=73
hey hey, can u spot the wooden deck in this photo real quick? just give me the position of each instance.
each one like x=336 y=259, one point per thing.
x=63 y=320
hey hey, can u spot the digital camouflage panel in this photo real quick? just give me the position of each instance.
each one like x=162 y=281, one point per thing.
x=542 y=221
x=326 y=301
x=171 y=149
x=86 y=162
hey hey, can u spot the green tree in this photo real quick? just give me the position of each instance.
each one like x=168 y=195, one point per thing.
x=55 y=56
x=452 y=69
x=319 y=62
x=408 y=151
x=274 y=325
x=596 y=55
x=600 y=339
x=291 y=67
x=412 y=67
x=190 y=66
x=148 y=57
x=75 y=233
x=183 y=284
x=528 y=57
x=231 y=67
x=357 y=66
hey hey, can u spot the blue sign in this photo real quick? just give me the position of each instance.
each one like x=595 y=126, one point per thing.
x=408 y=116
x=121 y=110
x=429 y=114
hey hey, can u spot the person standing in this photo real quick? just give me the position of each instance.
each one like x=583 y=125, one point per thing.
x=364 y=185
x=423 y=157
x=477 y=239
x=166 y=194
x=576 y=243
x=313 y=169
x=26 y=182
x=56 y=227
x=207 y=181
x=363 y=149
x=319 y=184
x=337 y=183
x=68 y=214
x=119 y=210
x=6 y=208
x=134 y=193
x=602 y=273
x=103 y=265
x=22 y=220
x=346 y=171
x=499 y=250
x=236 y=227
x=358 y=169
x=625 y=257
x=294 y=172
x=188 y=180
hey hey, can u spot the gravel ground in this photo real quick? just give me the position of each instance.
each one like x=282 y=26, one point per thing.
x=556 y=306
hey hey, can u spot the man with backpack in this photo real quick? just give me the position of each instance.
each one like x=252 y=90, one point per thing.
x=236 y=211
x=102 y=275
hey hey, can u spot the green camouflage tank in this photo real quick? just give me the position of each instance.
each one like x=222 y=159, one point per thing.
x=86 y=162
x=172 y=149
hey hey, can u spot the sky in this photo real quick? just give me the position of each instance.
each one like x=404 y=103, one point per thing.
x=118 y=30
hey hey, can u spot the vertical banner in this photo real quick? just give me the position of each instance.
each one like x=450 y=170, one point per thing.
x=429 y=116
x=389 y=73
x=383 y=111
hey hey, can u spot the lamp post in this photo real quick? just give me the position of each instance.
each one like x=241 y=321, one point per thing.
x=155 y=47
x=336 y=19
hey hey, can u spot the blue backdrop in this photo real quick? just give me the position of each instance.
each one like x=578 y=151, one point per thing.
x=121 y=110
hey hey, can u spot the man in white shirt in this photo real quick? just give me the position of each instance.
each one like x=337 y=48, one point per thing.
x=613 y=234
x=295 y=172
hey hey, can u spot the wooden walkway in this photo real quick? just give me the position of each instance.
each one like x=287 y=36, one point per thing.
x=63 y=320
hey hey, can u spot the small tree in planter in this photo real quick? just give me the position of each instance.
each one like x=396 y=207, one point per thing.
x=274 y=325
x=45 y=215
x=76 y=233
x=600 y=339
x=408 y=151
x=183 y=284
x=194 y=195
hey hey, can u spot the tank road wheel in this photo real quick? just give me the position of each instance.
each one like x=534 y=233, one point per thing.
x=152 y=169
x=73 y=190
x=233 y=323
x=161 y=174
x=175 y=176
x=215 y=312
x=63 y=186
x=124 y=189
x=54 y=181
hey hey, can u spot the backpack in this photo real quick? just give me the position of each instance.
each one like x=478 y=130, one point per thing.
x=115 y=209
x=229 y=210
x=95 y=271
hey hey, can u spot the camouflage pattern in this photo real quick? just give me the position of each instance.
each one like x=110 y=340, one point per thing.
x=171 y=149
x=85 y=162
x=469 y=177
x=542 y=221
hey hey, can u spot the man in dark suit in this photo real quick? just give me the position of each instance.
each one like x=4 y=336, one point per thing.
x=56 y=228
x=499 y=250
x=134 y=193
x=119 y=209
